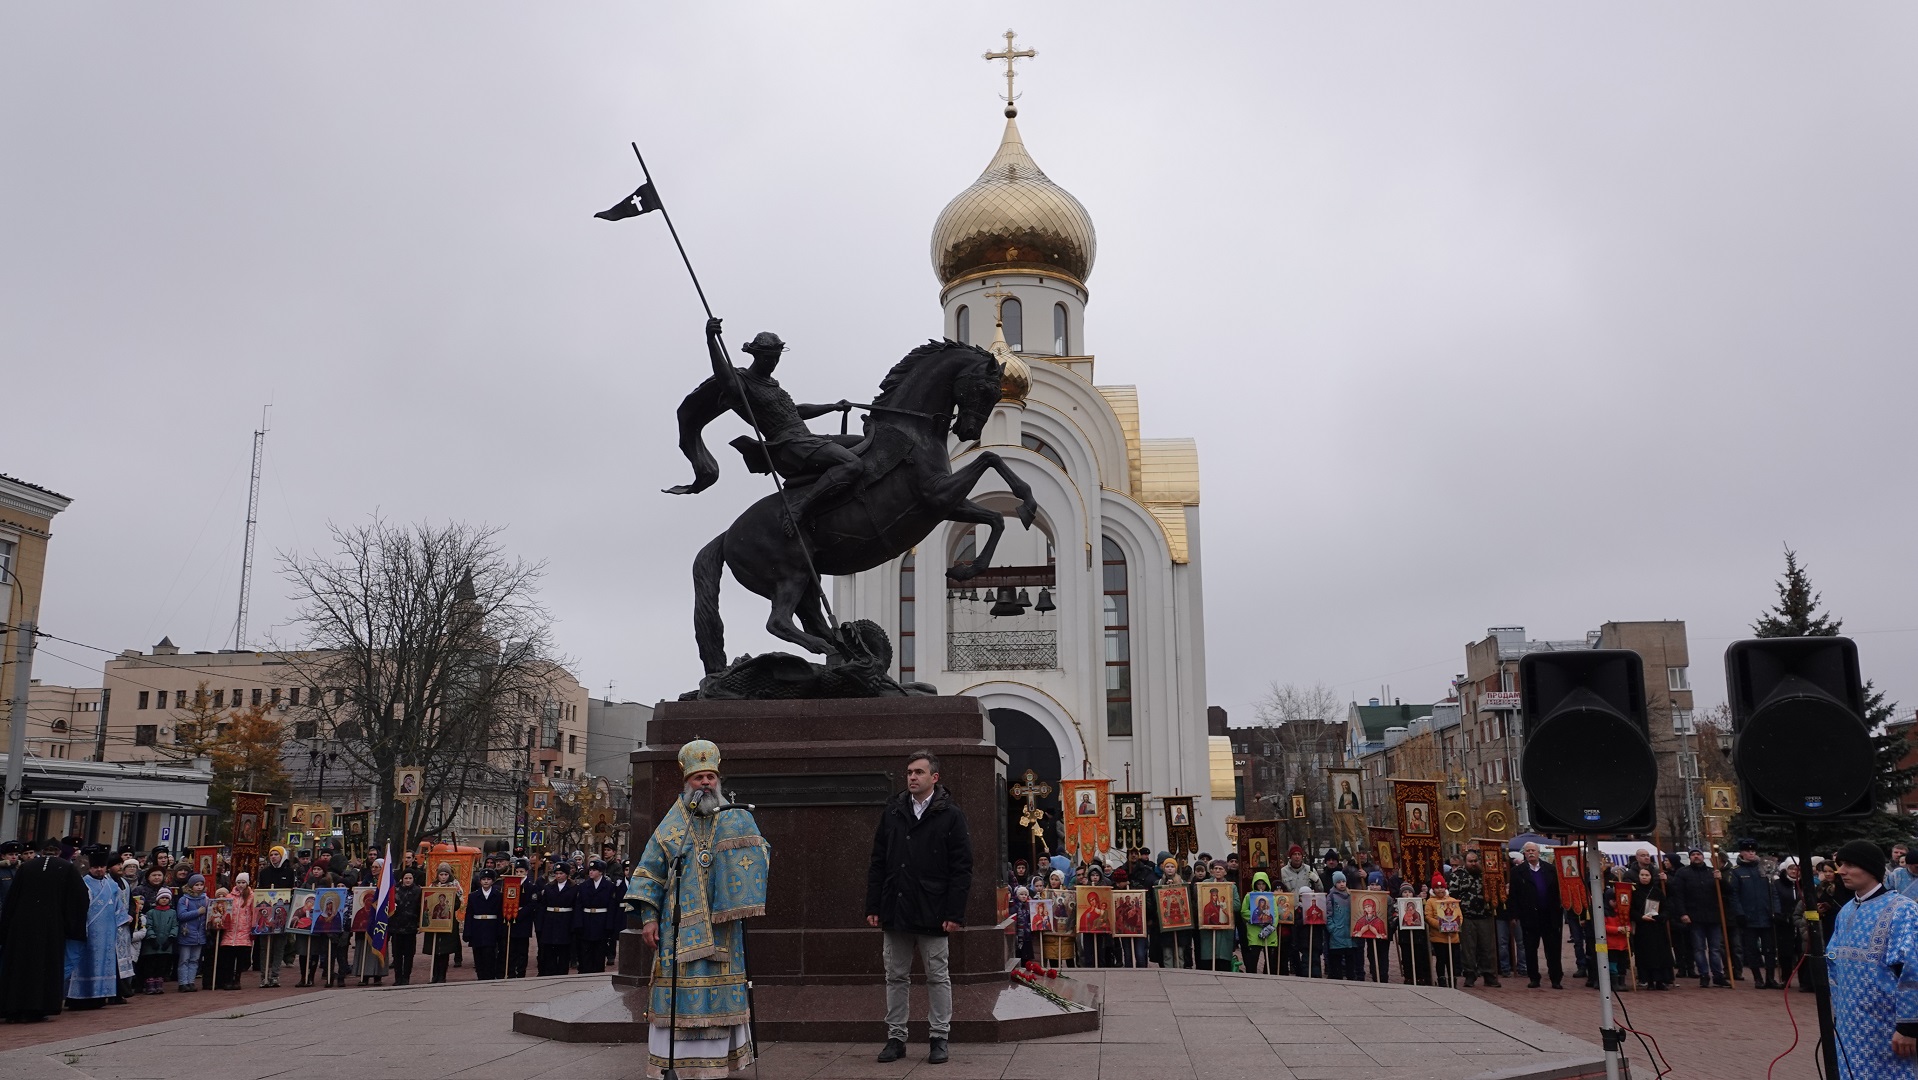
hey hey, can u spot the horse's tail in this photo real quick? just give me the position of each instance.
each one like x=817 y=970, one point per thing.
x=708 y=630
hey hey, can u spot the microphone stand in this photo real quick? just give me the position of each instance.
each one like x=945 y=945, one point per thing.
x=672 y=1011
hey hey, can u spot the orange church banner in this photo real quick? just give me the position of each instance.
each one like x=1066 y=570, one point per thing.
x=1088 y=817
x=1571 y=878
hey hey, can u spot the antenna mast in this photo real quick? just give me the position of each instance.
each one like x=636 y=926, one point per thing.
x=252 y=526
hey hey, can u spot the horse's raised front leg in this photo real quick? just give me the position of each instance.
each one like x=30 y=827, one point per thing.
x=956 y=486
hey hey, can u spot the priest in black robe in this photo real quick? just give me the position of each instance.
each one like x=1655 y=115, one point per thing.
x=46 y=906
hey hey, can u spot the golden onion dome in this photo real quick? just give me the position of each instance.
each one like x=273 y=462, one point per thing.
x=1013 y=218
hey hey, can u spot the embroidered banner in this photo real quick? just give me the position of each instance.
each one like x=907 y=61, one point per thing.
x=1497 y=867
x=1384 y=843
x=249 y=825
x=1181 y=832
x=1258 y=852
x=1128 y=819
x=1415 y=806
x=1571 y=879
x=1088 y=818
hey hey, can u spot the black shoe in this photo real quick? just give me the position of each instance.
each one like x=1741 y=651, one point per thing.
x=1533 y=984
x=892 y=1051
x=1471 y=980
x=1558 y=984
x=1704 y=981
x=1491 y=982
x=937 y=1055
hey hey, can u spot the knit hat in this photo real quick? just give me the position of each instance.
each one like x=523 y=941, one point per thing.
x=1864 y=855
x=163 y=894
x=1338 y=877
x=242 y=878
x=197 y=879
x=1294 y=850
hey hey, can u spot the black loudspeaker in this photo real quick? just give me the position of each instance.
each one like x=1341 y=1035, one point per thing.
x=1800 y=745
x=1588 y=763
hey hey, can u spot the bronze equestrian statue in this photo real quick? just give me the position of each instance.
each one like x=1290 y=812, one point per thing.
x=851 y=502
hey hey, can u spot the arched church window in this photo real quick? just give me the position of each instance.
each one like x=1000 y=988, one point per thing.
x=1059 y=330
x=1012 y=318
x=1118 y=635
x=962 y=325
x=908 y=639
x=1044 y=449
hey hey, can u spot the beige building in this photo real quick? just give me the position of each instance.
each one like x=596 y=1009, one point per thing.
x=1492 y=740
x=26 y=524
x=150 y=693
x=63 y=722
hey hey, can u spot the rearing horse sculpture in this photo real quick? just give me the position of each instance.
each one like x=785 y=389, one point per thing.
x=905 y=488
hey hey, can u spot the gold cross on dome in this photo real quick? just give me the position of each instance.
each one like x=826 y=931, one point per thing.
x=1009 y=55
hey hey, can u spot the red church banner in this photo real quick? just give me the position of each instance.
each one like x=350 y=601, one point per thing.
x=1571 y=878
x=1088 y=817
x=1415 y=803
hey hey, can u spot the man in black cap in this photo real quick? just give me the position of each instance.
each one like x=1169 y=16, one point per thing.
x=1694 y=896
x=557 y=921
x=1873 y=965
x=485 y=929
x=519 y=940
x=600 y=914
x=46 y=907
x=1752 y=903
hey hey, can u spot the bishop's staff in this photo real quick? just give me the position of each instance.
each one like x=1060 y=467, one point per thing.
x=644 y=200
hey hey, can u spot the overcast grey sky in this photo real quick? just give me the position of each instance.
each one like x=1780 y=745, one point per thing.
x=1482 y=314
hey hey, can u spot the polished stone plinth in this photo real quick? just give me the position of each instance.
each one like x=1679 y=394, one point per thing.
x=838 y=1012
x=819 y=773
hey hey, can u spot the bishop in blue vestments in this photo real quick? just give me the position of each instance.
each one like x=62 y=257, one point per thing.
x=93 y=965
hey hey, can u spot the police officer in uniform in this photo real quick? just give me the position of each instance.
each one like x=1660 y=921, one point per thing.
x=557 y=921
x=599 y=918
x=485 y=930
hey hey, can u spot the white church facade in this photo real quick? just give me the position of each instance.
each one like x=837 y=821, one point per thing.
x=1095 y=660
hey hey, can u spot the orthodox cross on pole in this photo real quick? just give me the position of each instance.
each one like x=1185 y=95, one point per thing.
x=1009 y=55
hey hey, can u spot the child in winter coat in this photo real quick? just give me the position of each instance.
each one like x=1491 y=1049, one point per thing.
x=156 y=949
x=192 y=917
x=1443 y=920
x=1341 y=956
x=236 y=935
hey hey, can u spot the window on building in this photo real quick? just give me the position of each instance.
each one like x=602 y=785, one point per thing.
x=339 y=695
x=572 y=744
x=908 y=618
x=293 y=696
x=962 y=325
x=1682 y=722
x=306 y=729
x=1044 y=449
x=1677 y=678
x=179 y=699
x=143 y=700
x=183 y=733
x=257 y=695
x=58 y=750
x=274 y=700
x=146 y=734
x=199 y=699
x=1012 y=318
x=1688 y=764
x=1059 y=329
x=1118 y=642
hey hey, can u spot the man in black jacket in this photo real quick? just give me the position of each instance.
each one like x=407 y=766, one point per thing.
x=484 y=928
x=916 y=888
x=1695 y=903
x=271 y=949
x=557 y=921
x=1533 y=893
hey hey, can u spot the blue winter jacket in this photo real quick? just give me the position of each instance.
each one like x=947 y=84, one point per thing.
x=192 y=910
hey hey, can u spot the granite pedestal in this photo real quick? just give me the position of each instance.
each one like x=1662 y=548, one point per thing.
x=819 y=774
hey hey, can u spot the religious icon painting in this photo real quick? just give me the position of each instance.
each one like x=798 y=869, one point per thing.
x=509 y=894
x=304 y=907
x=271 y=908
x=296 y=819
x=1095 y=909
x=1039 y=916
x=1418 y=819
x=221 y=912
x=1348 y=792
x=1447 y=916
x=1180 y=816
x=1282 y=908
x=1182 y=836
x=363 y=908
x=1128 y=913
x=1218 y=902
x=1298 y=806
x=408 y=782
x=1088 y=825
x=320 y=820
x=1061 y=901
x=1003 y=897
x=1411 y=912
x=1570 y=862
x=1311 y=908
x=206 y=863
x=1175 y=907
x=1128 y=810
x=437 y=905
x=1368 y=914
x=330 y=909
x=1259 y=909
x=1382 y=839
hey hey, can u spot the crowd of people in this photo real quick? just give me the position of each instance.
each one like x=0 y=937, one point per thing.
x=83 y=926
x=1666 y=919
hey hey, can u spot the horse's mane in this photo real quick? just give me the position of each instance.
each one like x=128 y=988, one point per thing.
x=903 y=368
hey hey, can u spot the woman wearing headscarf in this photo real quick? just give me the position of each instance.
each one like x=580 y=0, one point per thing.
x=1651 y=945
x=442 y=946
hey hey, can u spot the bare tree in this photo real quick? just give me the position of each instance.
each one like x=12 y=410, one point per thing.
x=1285 y=702
x=424 y=646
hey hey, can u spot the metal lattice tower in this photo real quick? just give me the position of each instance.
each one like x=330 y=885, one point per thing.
x=252 y=526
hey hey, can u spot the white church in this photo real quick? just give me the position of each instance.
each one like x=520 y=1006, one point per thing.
x=1086 y=641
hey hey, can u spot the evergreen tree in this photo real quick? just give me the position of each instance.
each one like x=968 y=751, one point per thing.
x=1797 y=614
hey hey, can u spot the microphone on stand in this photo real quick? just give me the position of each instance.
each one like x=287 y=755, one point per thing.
x=707 y=804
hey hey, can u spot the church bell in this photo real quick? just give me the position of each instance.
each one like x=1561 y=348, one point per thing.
x=1006 y=604
x=1045 y=600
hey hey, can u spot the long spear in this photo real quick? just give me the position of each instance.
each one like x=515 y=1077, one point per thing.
x=645 y=199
